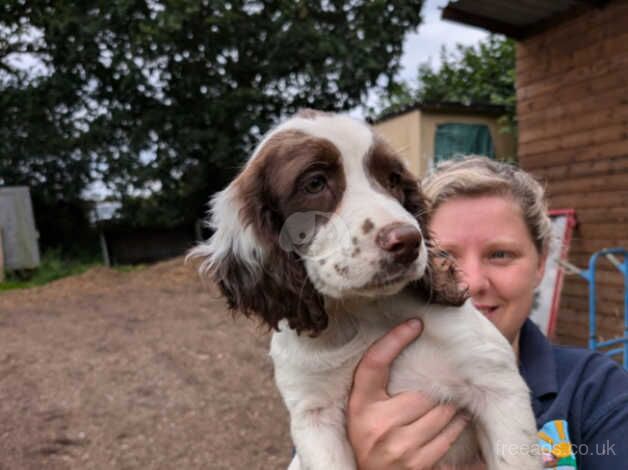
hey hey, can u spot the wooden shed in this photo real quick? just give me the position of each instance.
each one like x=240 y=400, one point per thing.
x=572 y=106
x=413 y=131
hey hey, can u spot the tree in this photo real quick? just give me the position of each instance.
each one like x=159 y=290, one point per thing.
x=471 y=74
x=163 y=99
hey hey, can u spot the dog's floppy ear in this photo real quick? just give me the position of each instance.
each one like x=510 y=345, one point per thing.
x=245 y=259
x=440 y=283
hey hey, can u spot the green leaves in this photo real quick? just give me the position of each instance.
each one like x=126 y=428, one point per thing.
x=470 y=74
x=188 y=84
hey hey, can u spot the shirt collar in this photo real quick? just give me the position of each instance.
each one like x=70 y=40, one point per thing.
x=536 y=360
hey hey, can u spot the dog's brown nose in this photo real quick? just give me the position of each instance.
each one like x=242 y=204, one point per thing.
x=403 y=241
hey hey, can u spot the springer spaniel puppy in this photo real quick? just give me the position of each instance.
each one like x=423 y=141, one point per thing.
x=323 y=236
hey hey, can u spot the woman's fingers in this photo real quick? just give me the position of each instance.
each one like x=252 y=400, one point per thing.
x=376 y=418
x=431 y=452
x=431 y=424
x=419 y=445
x=405 y=408
x=370 y=380
x=406 y=430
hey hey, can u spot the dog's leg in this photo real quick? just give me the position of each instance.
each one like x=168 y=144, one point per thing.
x=486 y=383
x=499 y=400
x=507 y=428
x=320 y=439
x=492 y=390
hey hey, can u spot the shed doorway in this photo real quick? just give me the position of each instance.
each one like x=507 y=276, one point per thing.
x=455 y=139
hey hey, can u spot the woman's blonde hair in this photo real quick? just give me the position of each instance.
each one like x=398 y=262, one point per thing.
x=475 y=176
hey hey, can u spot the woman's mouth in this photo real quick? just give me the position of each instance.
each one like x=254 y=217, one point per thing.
x=489 y=311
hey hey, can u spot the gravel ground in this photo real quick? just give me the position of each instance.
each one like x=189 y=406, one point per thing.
x=136 y=370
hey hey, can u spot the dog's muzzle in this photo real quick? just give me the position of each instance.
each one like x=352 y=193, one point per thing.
x=402 y=241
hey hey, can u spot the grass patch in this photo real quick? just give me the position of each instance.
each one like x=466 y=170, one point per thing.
x=53 y=266
x=127 y=268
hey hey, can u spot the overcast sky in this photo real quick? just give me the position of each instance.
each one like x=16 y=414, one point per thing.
x=424 y=45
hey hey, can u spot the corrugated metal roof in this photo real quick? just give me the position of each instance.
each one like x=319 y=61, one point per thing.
x=517 y=19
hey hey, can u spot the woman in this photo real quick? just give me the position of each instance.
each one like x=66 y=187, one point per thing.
x=491 y=217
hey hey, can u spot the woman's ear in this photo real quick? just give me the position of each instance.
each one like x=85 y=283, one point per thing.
x=540 y=269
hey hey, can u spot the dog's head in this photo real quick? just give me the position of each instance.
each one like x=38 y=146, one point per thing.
x=324 y=207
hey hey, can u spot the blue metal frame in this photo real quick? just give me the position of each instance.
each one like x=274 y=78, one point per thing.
x=589 y=275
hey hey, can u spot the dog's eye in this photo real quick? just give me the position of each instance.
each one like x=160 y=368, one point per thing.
x=394 y=179
x=315 y=184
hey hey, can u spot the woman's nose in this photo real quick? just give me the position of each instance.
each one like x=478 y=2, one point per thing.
x=474 y=277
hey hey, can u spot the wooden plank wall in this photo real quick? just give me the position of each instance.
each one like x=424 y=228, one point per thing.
x=572 y=99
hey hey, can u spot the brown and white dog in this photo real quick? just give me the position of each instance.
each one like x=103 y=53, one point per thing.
x=323 y=236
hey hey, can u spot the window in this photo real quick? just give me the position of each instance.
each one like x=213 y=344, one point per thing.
x=453 y=139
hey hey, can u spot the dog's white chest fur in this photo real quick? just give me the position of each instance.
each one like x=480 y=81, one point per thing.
x=460 y=358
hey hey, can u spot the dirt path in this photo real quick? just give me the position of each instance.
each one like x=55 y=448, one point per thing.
x=139 y=370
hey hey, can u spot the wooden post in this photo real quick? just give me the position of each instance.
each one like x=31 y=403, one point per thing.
x=104 y=250
x=1 y=257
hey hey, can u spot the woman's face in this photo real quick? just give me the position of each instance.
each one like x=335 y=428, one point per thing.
x=497 y=258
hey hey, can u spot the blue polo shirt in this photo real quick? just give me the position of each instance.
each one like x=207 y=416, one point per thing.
x=580 y=400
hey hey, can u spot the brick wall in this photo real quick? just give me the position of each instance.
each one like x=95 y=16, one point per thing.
x=572 y=93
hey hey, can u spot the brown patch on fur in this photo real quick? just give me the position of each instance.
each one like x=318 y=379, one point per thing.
x=389 y=175
x=282 y=291
x=367 y=226
x=343 y=271
x=271 y=188
x=355 y=252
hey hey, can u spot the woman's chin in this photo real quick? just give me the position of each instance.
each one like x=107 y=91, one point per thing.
x=492 y=316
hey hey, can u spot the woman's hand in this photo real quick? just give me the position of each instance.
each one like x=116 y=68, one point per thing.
x=404 y=431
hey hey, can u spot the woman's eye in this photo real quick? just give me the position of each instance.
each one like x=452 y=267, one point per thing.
x=315 y=184
x=443 y=259
x=394 y=180
x=501 y=254
x=442 y=254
